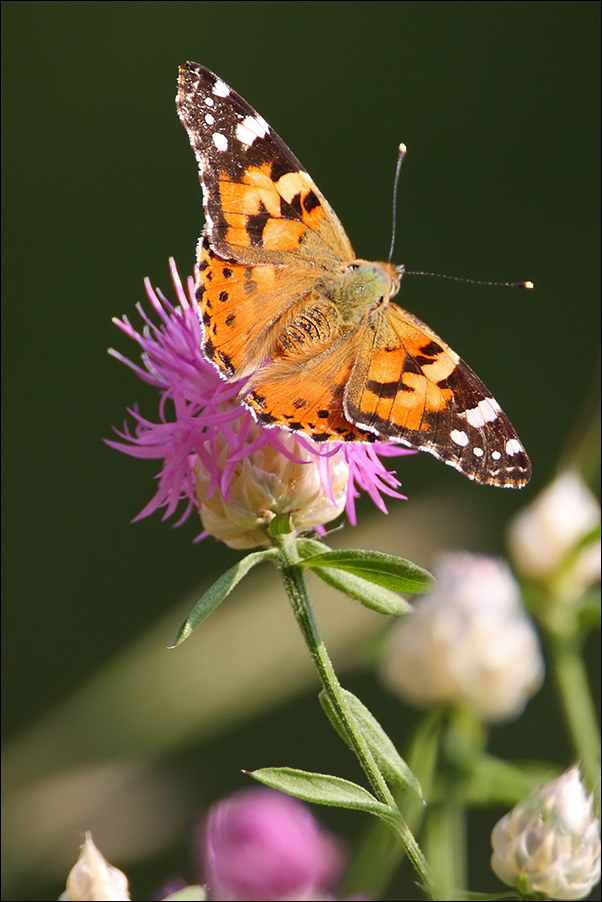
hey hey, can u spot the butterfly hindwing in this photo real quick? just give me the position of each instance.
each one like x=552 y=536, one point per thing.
x=244 y=309
x=303 y=392
x=409 y=385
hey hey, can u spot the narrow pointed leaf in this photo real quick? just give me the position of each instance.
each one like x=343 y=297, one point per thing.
x=390 y=763
x=385 y=570
x=218 y=591
x=496 y=781
x=322 y=789
x=311 y=547
x=371 y=595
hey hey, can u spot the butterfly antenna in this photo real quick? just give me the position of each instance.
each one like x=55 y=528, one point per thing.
x=401 y=154
x=438 y=275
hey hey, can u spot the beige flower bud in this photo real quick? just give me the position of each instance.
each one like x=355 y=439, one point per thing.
x=266 y=484
x=545 y=531
x=550 y=842
x=469 y=642
x=93 y=879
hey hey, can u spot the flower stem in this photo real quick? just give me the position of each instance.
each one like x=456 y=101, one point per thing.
x=446 y=842
x=574 y=691
x=295 y=587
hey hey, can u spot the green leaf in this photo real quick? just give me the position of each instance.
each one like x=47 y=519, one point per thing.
x=589 y=611
x=218 y=591
x=309 y=547
x=385 y=570
x=322 y=789
x=390 y=763
x=570 y=557
x=188 y=894
x=371 y=595
x=495 y=781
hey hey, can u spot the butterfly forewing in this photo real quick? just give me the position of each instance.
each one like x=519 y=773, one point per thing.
x=260 y=204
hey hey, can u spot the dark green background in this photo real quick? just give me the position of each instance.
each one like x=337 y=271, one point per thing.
x=498 y=104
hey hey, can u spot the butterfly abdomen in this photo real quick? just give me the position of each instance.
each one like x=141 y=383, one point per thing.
x=316 y=325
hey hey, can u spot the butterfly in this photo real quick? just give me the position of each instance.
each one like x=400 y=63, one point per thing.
x=286 y=305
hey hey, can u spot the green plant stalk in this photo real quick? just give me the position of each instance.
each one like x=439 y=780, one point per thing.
x=446 y=844
x=295 y=587
x=579 y=711
x=378 y=857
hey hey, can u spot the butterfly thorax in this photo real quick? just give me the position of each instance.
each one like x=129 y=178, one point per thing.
x=363 y=288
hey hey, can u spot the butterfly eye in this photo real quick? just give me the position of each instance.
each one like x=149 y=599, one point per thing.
x=351 y=266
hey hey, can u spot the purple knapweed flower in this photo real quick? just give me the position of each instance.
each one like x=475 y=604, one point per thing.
x=260 y=844
x=216 y=459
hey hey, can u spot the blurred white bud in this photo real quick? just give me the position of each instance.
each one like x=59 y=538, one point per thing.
x=550 y=842
x=543 y=533
x=93 y=879
x=265 y=484
x=468 y=643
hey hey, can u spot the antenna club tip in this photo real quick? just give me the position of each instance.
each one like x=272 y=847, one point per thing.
x=403 y=148
x=528 y=285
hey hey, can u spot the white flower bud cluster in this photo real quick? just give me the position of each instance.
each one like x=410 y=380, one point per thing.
x=93 y=879
x=550 y=842
x=544 y=533
x=266 y=484
x=469 y=642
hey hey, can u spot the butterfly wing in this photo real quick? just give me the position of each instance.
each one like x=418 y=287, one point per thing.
x=303 y=391
x=259 y=201
x=407 y=384
x=269 y=233
x=244 y=309
x=271 y=248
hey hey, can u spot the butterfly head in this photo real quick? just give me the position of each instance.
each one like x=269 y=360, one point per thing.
x=364 y=287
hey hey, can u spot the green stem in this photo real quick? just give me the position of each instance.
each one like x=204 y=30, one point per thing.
x=295 y=586
x=446 y=844
x=579 y=711
x=378 y=856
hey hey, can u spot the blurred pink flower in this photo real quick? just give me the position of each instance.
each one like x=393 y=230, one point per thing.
x=263 y=845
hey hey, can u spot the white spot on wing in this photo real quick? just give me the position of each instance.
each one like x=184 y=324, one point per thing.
x=485 y=412
x=209 y=101
x=459 y=437
x=209 y=119
x=220 y=88
x=244 y=134
x=250 y=128
x=496 y=455
x=220 y=141
x=478 y=452
x=513 y=446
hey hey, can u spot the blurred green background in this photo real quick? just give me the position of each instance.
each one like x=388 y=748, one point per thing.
x=498 y=103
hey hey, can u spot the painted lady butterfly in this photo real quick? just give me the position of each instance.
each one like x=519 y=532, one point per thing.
x=284 y=301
